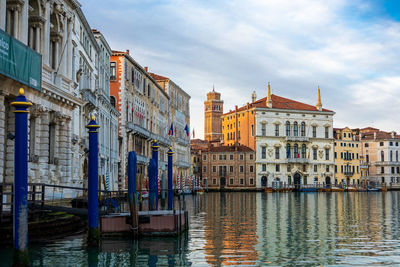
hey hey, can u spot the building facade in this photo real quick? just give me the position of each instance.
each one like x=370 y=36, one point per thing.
x=144 y=113
x=380 y=156
x=347 y=156
x=179 y=117
x=45 y=27
x=107 y=117
x=294 y=142
x=228 y=167
x=213 y=110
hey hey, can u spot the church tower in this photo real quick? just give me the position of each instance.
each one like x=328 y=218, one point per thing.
x=213 y=110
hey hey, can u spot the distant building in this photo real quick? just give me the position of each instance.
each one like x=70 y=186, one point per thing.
x=380 y=155
x=293 y=140
x=179 y=117
x=144 y=109
x=228 y=167
x=347 y=149
x=213 y=110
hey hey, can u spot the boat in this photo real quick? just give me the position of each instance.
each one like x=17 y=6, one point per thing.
x=308 y=189
x=371 y=189
x=337 y=189
x=351 y=189
x=268 y=189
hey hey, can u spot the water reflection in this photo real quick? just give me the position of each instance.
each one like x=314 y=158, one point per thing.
x=254 y=229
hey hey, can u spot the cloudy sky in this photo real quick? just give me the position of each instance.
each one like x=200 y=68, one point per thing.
x=351 y=49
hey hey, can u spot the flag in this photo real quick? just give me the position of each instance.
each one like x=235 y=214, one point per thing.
x=171 y=130
x=187 y=130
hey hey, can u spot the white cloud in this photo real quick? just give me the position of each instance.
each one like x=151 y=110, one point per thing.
x=240 y=45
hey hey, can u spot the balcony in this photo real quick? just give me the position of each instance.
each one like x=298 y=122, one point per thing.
x=348 y=173
x=297 y=139
x=297 y=160
x=182 y=141
x=182 y=164
x=89 y=97
x=138 y=130
x=161 y=140
x=142 y=159
x=387 y=163
x=222 y=173
x=364 y=166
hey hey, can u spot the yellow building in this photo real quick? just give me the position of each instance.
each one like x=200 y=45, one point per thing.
x=347 y=158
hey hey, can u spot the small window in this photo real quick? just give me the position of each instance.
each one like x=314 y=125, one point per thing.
x=314 y=131
x=264 y=167
x=277 y=168
x=214 y=157
x=251 y=156
x=276 y=152
x=241 y=181
x=214 y=181
x=276 y=129
x=214 y=168
x=251 y=168
x=204 y=157
x=230 y=168
x=231 y=157
x=113 y=71
x=204 y=169
x=241 y=156
x=231 y=181
x=251 y=181
x=263 y=152
x=241 y=168
x=381 y=144
x=366 y=145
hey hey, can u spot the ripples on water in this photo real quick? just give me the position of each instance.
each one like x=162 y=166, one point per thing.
x=255 y=229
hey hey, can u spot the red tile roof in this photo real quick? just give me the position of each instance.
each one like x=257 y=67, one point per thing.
x=279 y=102
x=379 y=135
x=239 y=148
x=158 y=77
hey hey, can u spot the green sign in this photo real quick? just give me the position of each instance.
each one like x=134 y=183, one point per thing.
x=19 y=62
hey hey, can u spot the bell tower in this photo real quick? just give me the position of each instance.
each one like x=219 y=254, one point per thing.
x=213 y=110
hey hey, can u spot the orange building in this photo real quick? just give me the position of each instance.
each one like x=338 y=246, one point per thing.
x=213 y=109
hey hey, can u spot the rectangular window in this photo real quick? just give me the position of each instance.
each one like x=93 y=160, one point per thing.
x=314 y=154
x=335 y=155
x=327 y=154
x=230 y=168
x=251 y=181
x=277 y=168
x=214 y=181
x=214 y=168
x=220 y=157
x=231 y=181
x=251 y=169
x=327 y=168
x=276 y=152
x=327 y=132
x=52 y=142
x=381 y=144
x=382 y=169
x=231 y=157
x=204 y=157
x=264 y=167
x=288 y=168
x=242 y=181
x=336 y=168
x=241 y=168
x=251 y=156
x=314 y=131
x=263 y=152
x=252 y=130
x=276 y=129
x=263 y=129
x=204 y=169
x=241 y=156
x=113 y=71
x=214 y=157
x=315 y=168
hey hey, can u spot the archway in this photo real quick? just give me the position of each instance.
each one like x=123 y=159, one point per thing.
x=328 y=181
x=264 y=181
x=297 y=180
x=222 y=182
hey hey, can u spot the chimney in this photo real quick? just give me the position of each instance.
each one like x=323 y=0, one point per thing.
x=393 y=134
x=146 y=69
x=374 y=135
x=127 y=51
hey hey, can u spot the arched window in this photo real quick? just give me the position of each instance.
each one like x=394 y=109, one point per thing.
x=303 y=129
x=382 y=156
x=303 y=151
x=296 y=151
x=287 y=128
x=288 y=151
x=295 y=129
x=112 y=101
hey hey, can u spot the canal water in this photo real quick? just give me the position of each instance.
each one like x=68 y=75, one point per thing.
x=254 y=229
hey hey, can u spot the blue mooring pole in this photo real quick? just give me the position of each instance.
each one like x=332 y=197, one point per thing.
x=21 y=105
x=132 y=172
x=155 y=148
x=152 y=189
x=170 y=192
x=93 y=180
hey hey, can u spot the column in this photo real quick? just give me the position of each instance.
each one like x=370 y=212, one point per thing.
x=2 y=134
x=46 y=35
x=3 y=13
x=43 y=144
x=37 y=38
x=23 y=23
x=16 y=19
x=63 y=49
